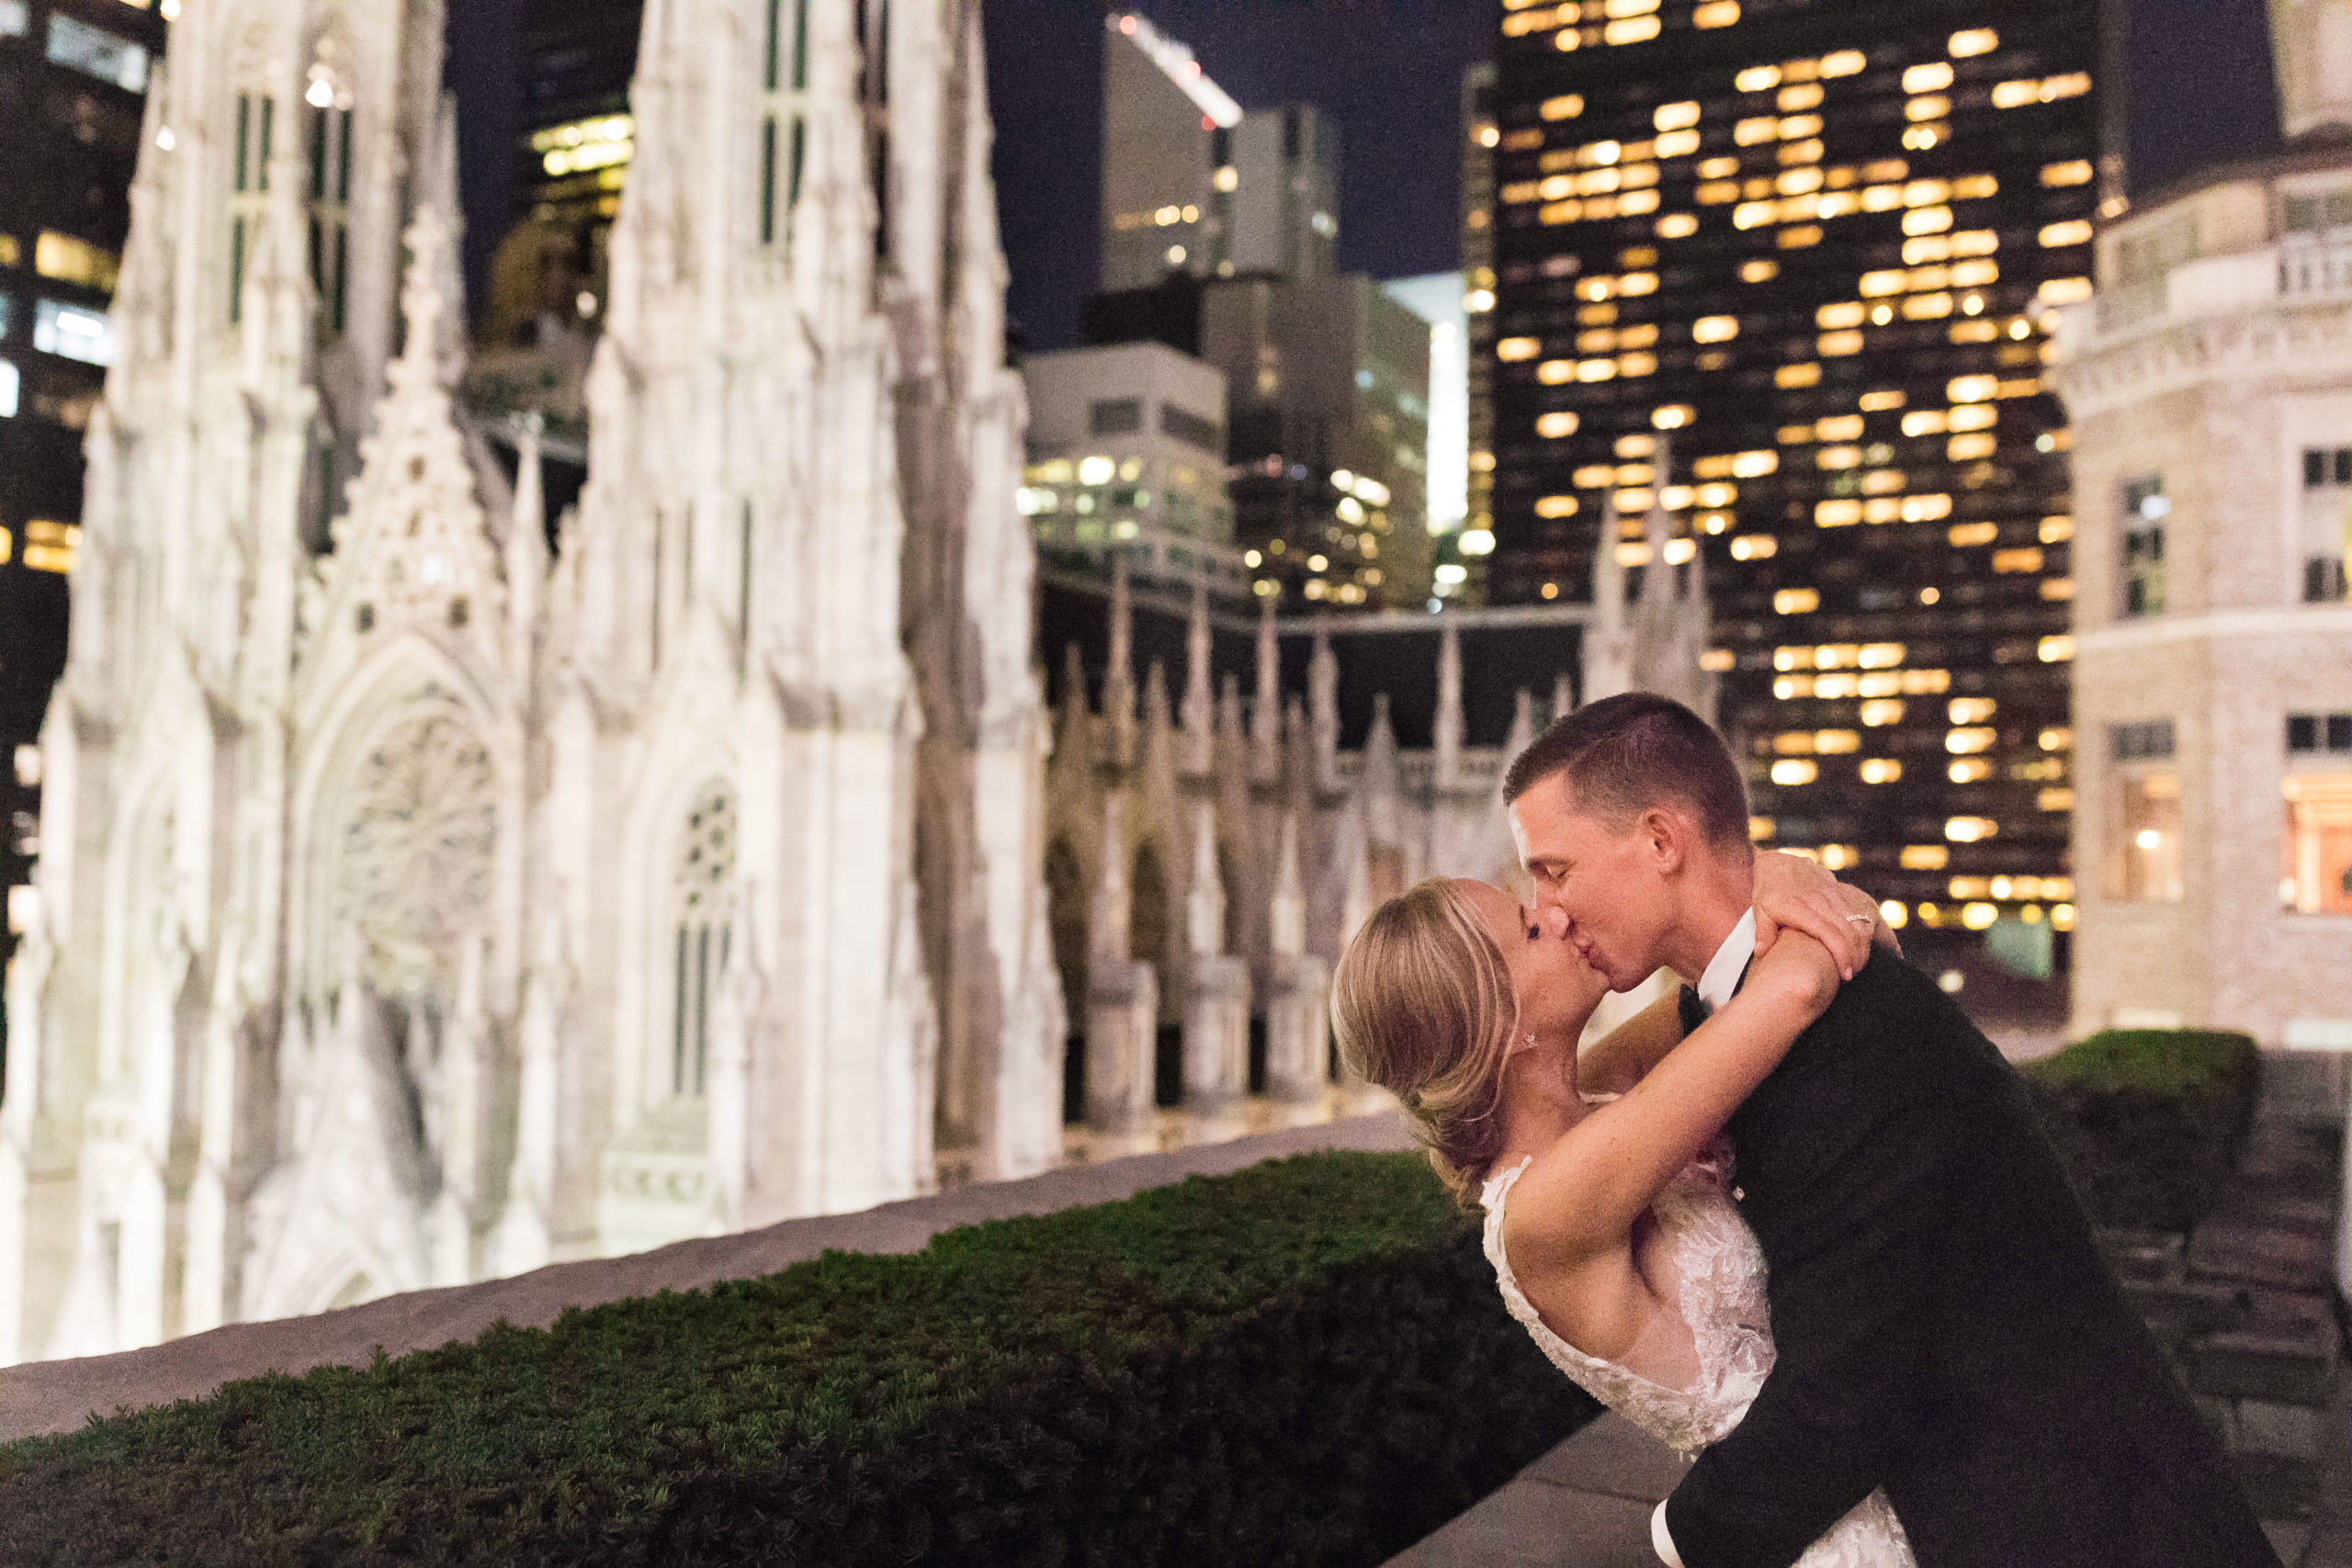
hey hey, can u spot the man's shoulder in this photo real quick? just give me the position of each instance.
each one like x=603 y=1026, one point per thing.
x=1891 y=1011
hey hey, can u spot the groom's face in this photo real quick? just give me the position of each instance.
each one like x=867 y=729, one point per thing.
x=1602 y=876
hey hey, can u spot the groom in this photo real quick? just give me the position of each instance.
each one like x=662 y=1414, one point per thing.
x=1947 y=1330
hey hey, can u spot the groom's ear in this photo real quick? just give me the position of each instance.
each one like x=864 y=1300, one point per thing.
x=1667 y=838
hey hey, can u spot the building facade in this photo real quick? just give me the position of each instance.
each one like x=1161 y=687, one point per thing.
x=1126 y=456
x=1787 y=269
x=2211 y=390
x=1328 y=381
x=419 y=903
x=1475 y=541
x=72 y=80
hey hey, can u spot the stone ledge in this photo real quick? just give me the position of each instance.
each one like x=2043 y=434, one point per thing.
x=57 y=1396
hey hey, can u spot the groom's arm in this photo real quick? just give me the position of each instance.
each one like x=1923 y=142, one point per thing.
x=1854 y=1262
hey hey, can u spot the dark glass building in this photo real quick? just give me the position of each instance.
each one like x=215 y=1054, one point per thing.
x=74 y=77
x=1782 y=266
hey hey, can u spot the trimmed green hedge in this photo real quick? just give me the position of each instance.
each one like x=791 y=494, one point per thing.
x=2149 y=1121
x=1305 y=1362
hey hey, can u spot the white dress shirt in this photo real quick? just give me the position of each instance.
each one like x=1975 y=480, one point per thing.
x=1716 y=987
x=1730 y=962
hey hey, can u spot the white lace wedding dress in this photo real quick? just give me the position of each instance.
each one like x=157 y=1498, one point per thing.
x=1721 y=1272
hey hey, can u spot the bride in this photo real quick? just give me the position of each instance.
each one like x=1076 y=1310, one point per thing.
x=1611 y=1219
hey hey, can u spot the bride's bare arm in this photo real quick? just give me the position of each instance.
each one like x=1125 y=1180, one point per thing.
x=1791 y=893
x=1581 y=1196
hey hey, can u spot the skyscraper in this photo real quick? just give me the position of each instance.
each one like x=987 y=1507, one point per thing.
x=1785 y=271
x=1479 y=134
x=1165 y=140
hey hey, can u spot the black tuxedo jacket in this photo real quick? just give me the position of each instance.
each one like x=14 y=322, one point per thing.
x=1946 y=1327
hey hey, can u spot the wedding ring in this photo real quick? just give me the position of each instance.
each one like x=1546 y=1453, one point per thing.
x=1862 y=919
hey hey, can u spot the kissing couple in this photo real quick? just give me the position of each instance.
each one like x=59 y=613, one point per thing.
x=1798 y=1221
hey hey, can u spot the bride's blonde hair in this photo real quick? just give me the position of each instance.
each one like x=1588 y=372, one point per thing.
x=1422 y=1006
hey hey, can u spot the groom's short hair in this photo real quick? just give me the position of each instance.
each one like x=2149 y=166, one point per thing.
x=1625 y=754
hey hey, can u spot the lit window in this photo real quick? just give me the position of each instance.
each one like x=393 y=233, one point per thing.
x=1513 y=348
x=15 y=18
x=1675 y=117
x=1975 y=41
x=2074 y=232
x=2055 y=650
x=1845 y=314
x=1878 y=714
x=74 y=332
x=1969 y=770
x=1553 y=506
x=1796 y=600
x=2026 y=557
x=2143 y=849
x=1791 y=771
x=1967 y=742
x=1972 y=389
x=1970 y=830
x=8 y=388
x=2076 y=172
x=2316 y=876
x=1971 y=710
x=1966 y=535
x=97 y=52
x=69 y=260
x=1881 y=770
x=1759 y=271
x=1677 y=226
x=1836 y=344
x=1673 y=416
x=1754 y=547
x=1797 y=376
x=50 y=546
x=1566 y=107
x=1967 y=448
x=1554 y=426
x=1844 y=62
x=1925 y=857
x=1715 y=329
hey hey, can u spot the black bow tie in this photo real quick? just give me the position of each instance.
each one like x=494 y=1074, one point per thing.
x=1693 y=1009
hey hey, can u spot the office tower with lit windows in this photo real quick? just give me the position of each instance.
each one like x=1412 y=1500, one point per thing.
x=72 y=82
x=1328 y=381
x=1126 y=456
x=1166 y=139
x=1785 y=270
x=1479 y=135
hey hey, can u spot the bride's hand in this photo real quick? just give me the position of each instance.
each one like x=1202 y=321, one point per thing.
x=1794 y=893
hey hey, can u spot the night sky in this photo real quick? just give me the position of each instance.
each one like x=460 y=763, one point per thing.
x=1390 y=72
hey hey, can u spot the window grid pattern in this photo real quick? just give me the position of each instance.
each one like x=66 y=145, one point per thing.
x=1782 y=272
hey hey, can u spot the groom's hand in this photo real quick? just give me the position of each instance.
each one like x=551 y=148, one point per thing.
x=1794 y=892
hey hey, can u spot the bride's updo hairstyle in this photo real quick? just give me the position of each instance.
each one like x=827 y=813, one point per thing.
x=1423 y=1007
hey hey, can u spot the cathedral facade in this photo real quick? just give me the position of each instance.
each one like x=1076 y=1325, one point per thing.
x=431 y=892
